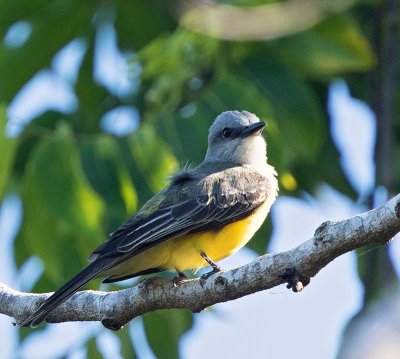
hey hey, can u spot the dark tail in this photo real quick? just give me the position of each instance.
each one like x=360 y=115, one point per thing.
x=67 y=290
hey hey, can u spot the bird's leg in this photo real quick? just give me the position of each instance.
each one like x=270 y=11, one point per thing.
x=179 y=279
x=214 y=266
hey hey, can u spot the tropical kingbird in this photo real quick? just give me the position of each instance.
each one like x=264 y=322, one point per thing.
x=205 y=214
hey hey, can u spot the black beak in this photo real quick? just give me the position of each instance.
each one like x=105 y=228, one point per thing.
x=253 y=128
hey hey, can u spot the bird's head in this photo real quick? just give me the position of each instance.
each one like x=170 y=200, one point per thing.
x=236 y=136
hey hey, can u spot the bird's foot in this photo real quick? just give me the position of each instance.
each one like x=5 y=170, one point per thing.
x=215 y=269
x=205 y=276
x=181 y=278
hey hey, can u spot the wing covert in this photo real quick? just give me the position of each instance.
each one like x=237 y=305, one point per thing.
x=208 y=203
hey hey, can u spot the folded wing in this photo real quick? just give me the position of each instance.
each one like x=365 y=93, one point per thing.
x=190 y=207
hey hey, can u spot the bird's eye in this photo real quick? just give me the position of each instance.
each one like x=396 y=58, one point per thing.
x=226 y=132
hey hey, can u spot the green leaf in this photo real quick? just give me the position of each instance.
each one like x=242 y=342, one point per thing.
x=151 y=158
x=169 y=84
x=335 y=46
x=8 y=147
x=164 y=330
x=56 y=173
x=101 y=160
x=63 y=216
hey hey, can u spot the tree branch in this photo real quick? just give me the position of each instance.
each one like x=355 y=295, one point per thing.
x=295 y=267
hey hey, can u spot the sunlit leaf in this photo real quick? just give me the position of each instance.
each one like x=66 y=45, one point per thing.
x=60 y=183
x=101 y=160
x=151 y=157
x=170 y=84
x=258 y=23
x=62 y=213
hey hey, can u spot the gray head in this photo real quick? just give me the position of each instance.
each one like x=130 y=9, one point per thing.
x=236 y=136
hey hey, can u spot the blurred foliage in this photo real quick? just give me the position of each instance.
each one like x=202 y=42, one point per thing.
x=164 y=329
x=8 y=147
x=77 y=182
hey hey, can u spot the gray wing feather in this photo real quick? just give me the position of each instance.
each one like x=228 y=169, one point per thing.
x=187 y=207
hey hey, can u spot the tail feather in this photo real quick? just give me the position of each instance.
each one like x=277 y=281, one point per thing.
x=67 y=290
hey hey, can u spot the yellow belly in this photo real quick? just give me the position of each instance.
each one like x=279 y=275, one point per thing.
x=184 y=252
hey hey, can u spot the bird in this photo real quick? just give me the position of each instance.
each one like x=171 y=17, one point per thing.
x=204 y=214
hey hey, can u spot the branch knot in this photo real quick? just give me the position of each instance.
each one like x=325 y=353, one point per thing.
x=295 y=280
x=112 y=324
x=320 y=232
x=397 y=209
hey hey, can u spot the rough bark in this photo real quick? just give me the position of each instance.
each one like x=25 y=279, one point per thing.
x=295 y=267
